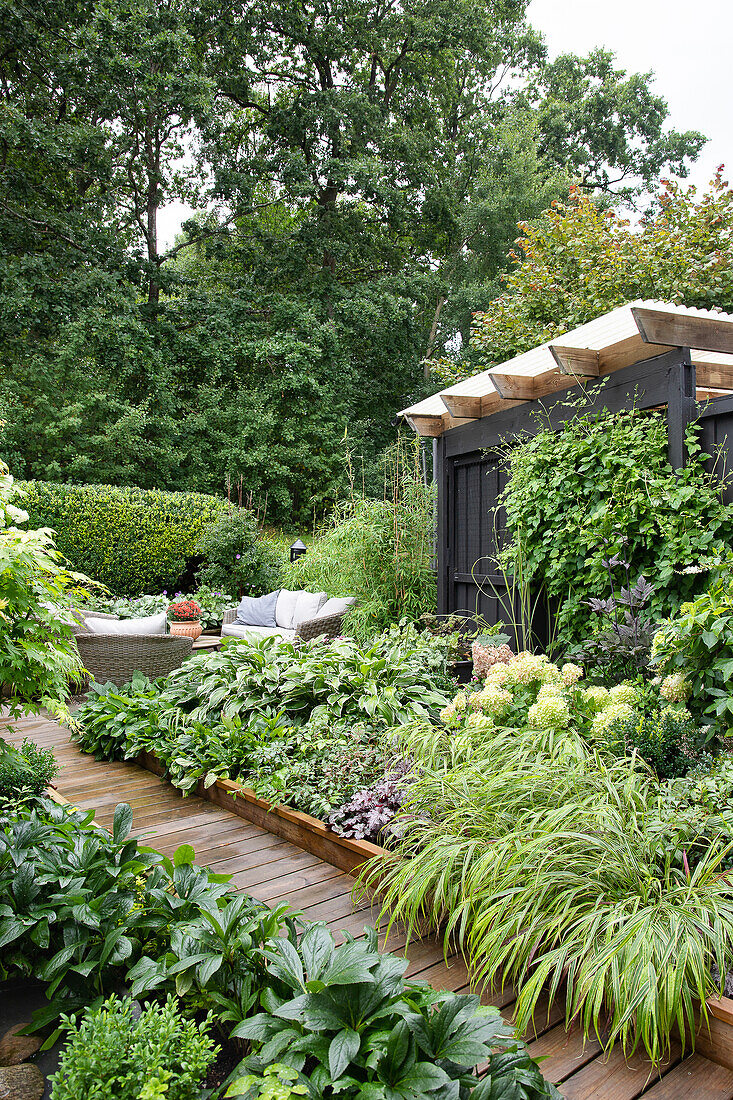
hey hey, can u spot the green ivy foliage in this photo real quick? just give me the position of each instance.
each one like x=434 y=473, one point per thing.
x=132 y=540
x=574 y=494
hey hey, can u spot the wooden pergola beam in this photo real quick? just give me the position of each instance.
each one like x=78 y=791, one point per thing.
x=714 y=376
x=524 y=387
x=462 y=405
x=680 y=330
x=583 y=362
x=431 y=426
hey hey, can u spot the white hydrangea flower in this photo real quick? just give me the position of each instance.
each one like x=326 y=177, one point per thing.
x=549 y=712
x=623 y=693
x=571 y=673
x=597 y=696
x=497 y=675
x=675 y=688
x=479 y=722
x=495 y=700
x=605 y=718
x=526 y=668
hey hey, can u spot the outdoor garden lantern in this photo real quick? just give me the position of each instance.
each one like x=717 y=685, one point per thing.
x=297 y=550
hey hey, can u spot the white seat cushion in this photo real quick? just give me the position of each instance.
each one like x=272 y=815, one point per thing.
x=238 y=630
x=337 y=605
x=294 y=608
x=151 y=624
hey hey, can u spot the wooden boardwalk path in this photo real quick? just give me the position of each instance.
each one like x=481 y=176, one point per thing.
x=273 y=870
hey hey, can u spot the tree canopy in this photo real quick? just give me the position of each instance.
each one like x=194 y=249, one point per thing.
x=579 y=261
x=358 y=168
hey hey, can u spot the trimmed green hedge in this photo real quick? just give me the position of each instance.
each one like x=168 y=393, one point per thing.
x=133 y=540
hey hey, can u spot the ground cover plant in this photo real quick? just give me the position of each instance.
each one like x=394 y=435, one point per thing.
x=307 y=725
x=93 y=915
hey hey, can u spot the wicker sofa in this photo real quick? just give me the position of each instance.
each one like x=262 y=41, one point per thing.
x=116 y=657
x=328 y=625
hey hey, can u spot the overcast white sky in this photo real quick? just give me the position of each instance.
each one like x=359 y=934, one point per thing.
x=688 y=45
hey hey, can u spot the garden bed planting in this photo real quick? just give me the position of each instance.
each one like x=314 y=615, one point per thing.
x=307 y=832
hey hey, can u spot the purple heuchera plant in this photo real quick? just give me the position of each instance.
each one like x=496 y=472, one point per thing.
x=369 y=812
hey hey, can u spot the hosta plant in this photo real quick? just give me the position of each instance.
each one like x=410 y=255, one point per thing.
x=351 y=1026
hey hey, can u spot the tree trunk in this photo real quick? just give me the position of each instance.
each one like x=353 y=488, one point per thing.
x=433 y=330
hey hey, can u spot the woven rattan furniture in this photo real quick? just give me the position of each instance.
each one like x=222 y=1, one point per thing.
x=115 y=657
x=329 y=626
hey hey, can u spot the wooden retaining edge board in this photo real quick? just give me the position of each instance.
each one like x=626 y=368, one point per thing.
x=715 y=1039
x=301 y=829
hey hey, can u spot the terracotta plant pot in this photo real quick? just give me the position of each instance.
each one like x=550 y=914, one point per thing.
x=188 y=630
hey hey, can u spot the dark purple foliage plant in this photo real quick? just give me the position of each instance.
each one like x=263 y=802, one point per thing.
x=367 y=816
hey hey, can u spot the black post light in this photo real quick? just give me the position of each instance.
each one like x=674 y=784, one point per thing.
x=298 y=549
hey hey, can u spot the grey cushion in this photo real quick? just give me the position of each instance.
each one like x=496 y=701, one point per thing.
x=337 y=605
x=151 y=624
x=259 y=611
x=308 y=606
x=237 y=630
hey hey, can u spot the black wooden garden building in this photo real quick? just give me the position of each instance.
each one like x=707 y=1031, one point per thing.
x=648 y=355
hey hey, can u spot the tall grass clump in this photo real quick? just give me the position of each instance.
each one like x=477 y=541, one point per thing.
x=379 y=550
x=543 y=863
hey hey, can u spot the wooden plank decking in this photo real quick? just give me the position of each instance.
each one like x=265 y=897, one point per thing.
x=274 y=870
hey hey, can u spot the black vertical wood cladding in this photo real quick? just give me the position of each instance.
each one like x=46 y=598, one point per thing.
x=470 y=473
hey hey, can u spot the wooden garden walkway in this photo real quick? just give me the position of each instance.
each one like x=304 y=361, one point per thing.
x=273 y=870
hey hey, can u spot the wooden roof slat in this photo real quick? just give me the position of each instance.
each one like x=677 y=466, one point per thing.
x=577 y=361
x=627 y=335
x=684 y=330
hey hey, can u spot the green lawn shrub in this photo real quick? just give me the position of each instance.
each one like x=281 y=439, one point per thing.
x=132 y=540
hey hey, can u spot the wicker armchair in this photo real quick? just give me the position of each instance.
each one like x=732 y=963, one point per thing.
x=329 y=625
x=115 y=657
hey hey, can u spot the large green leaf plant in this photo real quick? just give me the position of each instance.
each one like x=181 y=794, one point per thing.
x=347 y=1021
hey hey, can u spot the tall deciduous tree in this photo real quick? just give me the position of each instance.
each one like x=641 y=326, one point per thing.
x=359 y=165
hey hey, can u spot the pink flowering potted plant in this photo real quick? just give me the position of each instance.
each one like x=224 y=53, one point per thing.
x=185 y=618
